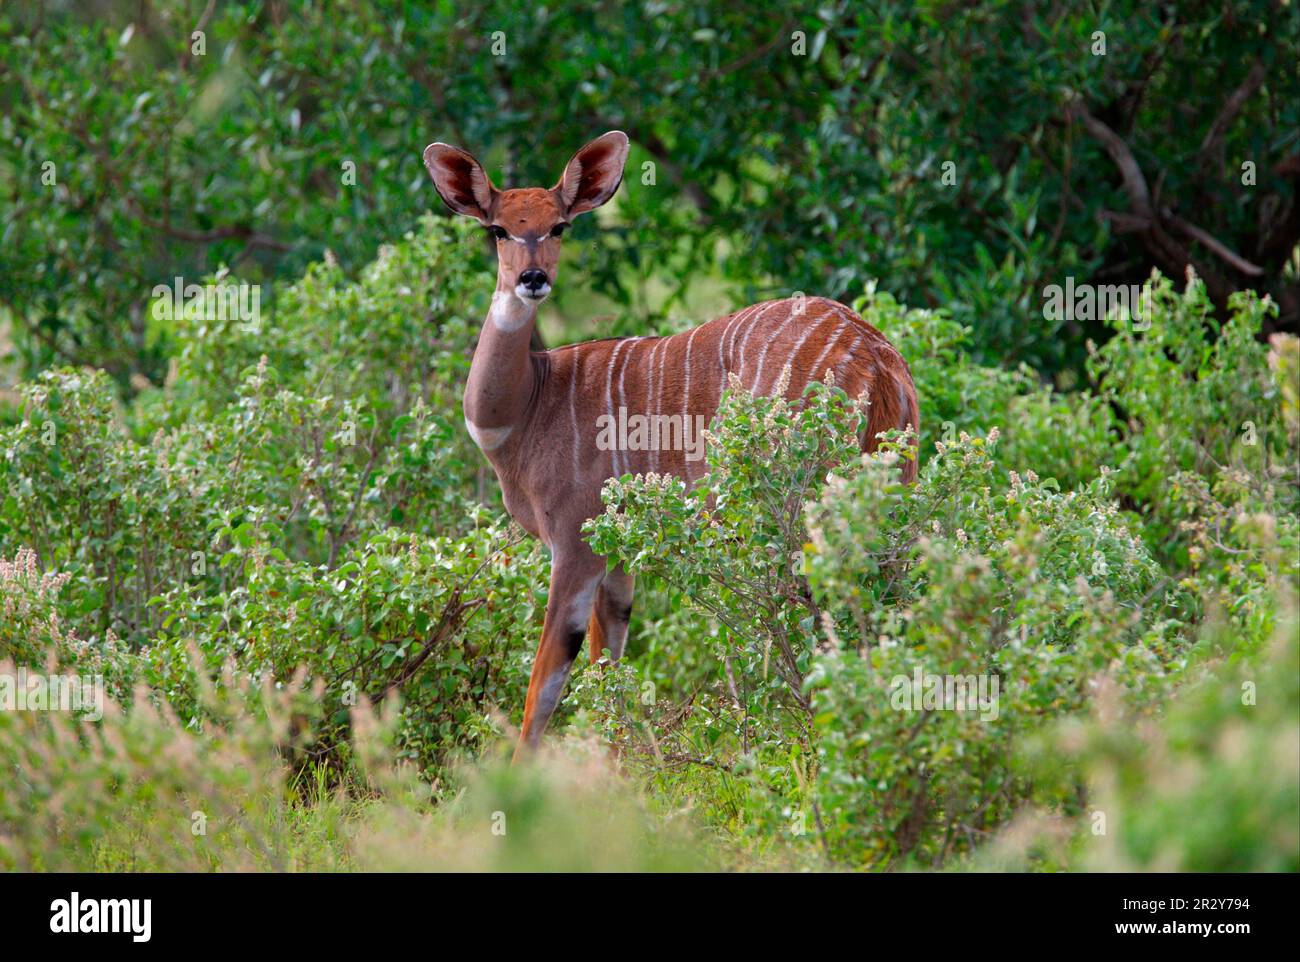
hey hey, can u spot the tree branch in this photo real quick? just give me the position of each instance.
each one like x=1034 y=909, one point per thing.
x=1212 y=146
x=1135 y=183
x=1213 y=244
x=1145 y=217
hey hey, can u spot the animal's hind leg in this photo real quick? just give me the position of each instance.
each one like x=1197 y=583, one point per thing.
x=610 y=615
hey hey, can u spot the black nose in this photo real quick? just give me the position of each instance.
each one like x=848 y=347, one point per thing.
x=533 y=279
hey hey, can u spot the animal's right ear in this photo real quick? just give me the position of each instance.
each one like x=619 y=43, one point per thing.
x=461 y=181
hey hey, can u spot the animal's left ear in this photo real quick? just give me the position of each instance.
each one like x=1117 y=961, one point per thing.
x=594 y=173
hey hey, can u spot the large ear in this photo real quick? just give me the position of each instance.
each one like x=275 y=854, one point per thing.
x=461 y=181
x=594 y=173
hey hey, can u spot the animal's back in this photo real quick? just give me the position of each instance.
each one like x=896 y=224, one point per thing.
x=669 y=386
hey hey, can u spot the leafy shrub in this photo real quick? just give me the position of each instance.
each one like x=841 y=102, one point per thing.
x=445 y=623
x=731 y=543
x=94 y=503
x=1066 y=436
x=336 y=419
x=1192 y=396
x=730 y=548
x=1024 y=586
x=1209 y=785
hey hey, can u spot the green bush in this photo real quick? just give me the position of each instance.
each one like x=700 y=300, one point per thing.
x=1212 y=784
x=1023 y=586
x=1193 y=396
x=1066 y=436
x=444 y=623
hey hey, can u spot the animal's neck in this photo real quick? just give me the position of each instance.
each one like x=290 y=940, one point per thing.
x=501 y=377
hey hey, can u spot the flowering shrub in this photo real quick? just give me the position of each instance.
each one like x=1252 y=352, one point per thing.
x=29 y=620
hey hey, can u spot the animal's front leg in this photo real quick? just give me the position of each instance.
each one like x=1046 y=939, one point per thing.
x=576 y=573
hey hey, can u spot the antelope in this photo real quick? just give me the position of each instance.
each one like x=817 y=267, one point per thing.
x=535 y=414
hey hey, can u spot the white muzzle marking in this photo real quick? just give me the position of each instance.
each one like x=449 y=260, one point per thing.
x=532 y=297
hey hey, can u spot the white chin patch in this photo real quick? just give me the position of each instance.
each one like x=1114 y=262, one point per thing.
x=532 y=297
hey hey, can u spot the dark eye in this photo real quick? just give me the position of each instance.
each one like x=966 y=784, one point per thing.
x=559 y=229
x=499 y=233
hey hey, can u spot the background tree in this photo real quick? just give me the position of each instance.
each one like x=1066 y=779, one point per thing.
x=966 y=154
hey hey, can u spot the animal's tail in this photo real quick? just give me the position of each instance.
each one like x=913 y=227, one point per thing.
x=894 y=406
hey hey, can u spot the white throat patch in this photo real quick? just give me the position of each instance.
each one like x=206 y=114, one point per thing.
x=488 y=439
x=509 y=313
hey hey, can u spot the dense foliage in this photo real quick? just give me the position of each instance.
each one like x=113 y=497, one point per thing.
x=952 y=148
x=307 y=517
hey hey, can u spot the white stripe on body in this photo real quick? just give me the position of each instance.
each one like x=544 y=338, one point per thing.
x=844 y=362
x=814 y=374
x=573 y=413
x=650 y=407
x=622 y=397
x=722 y=340
x=754 y=325
x=609 y=404
x=686 y=399
x=808 y=332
